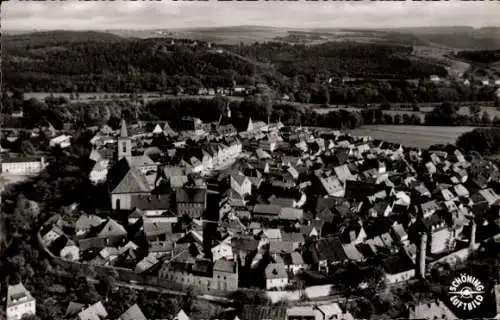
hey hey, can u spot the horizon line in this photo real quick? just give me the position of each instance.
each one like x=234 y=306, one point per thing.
x=291 y=28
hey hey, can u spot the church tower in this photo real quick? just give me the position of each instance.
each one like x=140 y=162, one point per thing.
x=250 y=125
x=124 y=142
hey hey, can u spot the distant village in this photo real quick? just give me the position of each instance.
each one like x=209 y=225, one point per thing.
x=216 y=210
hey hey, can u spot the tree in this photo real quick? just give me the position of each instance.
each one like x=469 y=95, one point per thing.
x=407 y=119
x=474 y=111
x=444 y=115
x=26 y=148
x=415 y=119
x=486 y=119
x=348 y=280
x=486 y=141
x=187 y=301
x=397 y=119
x=388 y=119
x=496 y=121
x=107 y=283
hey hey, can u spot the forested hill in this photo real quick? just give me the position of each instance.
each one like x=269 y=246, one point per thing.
x=482 y=56
x=86 y=62
x=46 y=38
x=344 y=58
x=459 y=37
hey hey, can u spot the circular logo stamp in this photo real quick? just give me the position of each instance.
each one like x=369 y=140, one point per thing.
x=466 y=292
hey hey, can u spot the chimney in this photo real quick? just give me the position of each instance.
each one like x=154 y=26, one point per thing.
x=422 y=255
x=472 y=241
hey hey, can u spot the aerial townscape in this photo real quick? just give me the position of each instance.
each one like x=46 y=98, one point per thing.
x=250 y=173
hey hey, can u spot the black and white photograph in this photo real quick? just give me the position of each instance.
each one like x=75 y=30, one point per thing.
x=249 y=160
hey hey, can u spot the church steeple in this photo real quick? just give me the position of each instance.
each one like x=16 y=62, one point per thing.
x=250 y=125
x=124 y=142
x=123 y=129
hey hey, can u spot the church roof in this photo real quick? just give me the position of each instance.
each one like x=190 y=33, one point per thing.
x=134 y=181
x=140 y=161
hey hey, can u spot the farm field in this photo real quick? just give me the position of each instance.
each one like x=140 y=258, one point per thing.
x=493 y=112
x=412 y=136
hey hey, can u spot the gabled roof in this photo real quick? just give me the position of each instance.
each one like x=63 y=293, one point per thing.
x=239 y=178
x=152 y=228
x=94 y=312
x=133 y=313
x=352 y=252
x=331 y=249
x=16 y=292
x=291 y=214
x=134 y=181
x=181 y=316
x=112 y=228
x=244 y=244
x=284 y=202
x=86 y=221
x=267 y=209
x=140 y=161
x=431 y=310
x=73 y=309
x=331 y=184
x=272 y=233
x=146 y=263
x=342 y=172
x=296 y=258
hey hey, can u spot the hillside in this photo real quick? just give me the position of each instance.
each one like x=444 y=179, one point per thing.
x=330 y=72
x=481 y=56
x=459 y=37
x=93 y=61
x=46 y=38
x=377 y=60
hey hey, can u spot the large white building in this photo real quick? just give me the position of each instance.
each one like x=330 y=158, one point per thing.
x=63 y=141
x=19 y=302
x=23 y=166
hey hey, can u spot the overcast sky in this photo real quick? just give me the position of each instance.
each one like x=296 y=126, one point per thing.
x=300 y=14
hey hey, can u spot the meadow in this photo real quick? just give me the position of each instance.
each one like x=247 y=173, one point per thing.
x=412 y=136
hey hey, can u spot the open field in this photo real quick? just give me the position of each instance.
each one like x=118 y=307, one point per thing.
x=413 y=136
x=493 y=112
